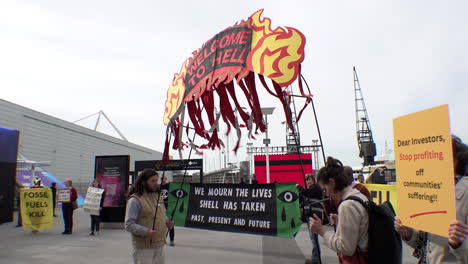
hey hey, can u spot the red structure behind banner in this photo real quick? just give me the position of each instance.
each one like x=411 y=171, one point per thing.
x=283 y=168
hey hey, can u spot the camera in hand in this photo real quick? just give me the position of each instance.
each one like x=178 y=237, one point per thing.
x=310 y=206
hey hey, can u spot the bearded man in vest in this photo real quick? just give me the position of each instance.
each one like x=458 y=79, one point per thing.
x=148 y=232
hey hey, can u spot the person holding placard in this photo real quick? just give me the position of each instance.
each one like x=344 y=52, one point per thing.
x=146 y=219
x=96 y=219
x=37 y=184
x=431 y=248
x=68 y=205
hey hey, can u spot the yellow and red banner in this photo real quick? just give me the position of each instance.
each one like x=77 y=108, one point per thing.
x=36 y=208
x=248 y=46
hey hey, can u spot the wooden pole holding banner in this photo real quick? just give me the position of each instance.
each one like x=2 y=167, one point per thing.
x=160 y=190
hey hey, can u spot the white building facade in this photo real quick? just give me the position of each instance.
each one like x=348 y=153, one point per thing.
x=70 y=148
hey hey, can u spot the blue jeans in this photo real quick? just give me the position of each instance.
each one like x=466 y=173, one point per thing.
x=315 y=244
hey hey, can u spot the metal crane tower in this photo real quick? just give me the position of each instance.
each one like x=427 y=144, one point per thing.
x=367 y=149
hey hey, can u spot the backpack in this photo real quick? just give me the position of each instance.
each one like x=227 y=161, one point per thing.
x=384 y=244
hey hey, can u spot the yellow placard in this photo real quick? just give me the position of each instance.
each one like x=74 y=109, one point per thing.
x=36 y=208
x=425 y=174
x=382 y=193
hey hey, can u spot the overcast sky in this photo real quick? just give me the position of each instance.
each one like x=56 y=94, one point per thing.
x=70 y=59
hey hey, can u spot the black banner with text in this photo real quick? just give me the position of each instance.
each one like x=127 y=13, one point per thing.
x=265 y=209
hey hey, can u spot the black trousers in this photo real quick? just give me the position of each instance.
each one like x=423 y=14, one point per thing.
x=53 y=204
x=172 y=234
x=95 y=223
x=67 y=211
x=19 y=223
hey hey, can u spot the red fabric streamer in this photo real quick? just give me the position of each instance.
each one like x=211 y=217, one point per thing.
x=194 y=114
x=226 y=93
x=175 y=131
x=287 y=111
x=225 y=107
x=303 y=108
x=256 y=107
x=208 y=103
x=165 y=157
x=242 y=113
x=262 y=80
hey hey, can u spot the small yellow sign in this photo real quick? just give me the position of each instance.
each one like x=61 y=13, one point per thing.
x=425 y=174
x=383 y=193
x=36 y=208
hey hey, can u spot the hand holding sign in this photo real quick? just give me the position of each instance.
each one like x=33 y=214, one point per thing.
x=170 y=224
x=404 y=231
x=151 y=232
x=458 y=232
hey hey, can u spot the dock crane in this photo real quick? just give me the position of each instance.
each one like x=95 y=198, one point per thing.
x=367 y=149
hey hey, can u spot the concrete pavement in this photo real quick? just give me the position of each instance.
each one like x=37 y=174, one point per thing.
x=193 y=246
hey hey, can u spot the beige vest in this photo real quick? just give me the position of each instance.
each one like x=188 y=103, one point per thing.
x=146 y=218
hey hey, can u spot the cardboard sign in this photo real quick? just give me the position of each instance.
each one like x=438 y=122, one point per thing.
x=92 y=203
x=425 y=174
x=63 y=195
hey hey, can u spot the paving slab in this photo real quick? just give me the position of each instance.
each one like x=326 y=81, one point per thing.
x=194 y=246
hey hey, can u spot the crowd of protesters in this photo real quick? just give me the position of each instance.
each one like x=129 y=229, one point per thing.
x=68 y=206
x=324 y=200
x=351 y=220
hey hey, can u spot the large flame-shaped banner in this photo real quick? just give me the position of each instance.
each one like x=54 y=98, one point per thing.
x=249 y=46
x=232 y=57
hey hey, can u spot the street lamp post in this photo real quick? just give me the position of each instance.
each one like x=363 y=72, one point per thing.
x=249 y=151
x=266 y=111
